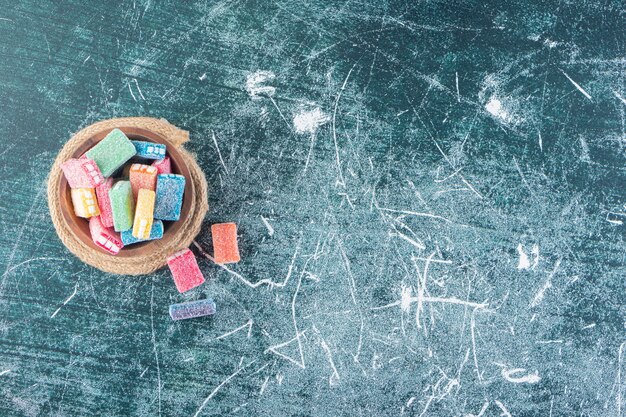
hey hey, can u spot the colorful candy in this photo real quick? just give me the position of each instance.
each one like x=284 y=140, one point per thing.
x=225 y=249
x=82 y=173
x=144 y=214
x=104 y=237
x=163 y=166
x=112 y=152
x=127 y=203
x=156 y=232
x=192 y=309
x=149 y=150
x=169 y=196
x=142 y=176
x=104 y=202
x=122 y=205
x=85 y=202
x=185 y=270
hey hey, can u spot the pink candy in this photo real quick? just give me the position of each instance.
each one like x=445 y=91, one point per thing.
x=82 y=173
x=185 y=270
x=103 y=237
x=163 y=166
x=104 y=202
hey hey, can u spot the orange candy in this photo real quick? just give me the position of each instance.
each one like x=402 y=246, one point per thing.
x=85 y=202
x=225 y=249
x=142 y=176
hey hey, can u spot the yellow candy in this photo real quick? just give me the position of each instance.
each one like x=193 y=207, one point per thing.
x=85 y=203
x=144 y=214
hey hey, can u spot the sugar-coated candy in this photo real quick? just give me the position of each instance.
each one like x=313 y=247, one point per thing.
x=156 y=232
x=169 y=196
x=163 y=166
x=142 y=176
x=85 y=202
x=149 y=150
x=192 y=309
x=185 y=270
x=112 y=152
x=82 y=173
x=104 y=237
x=225 y=249
x=144 y=214
x=122 y=205
x=104 y=202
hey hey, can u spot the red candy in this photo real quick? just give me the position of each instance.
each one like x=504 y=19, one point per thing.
x=163 y=166
x=104 y=202
x=225 y=249
x=82 y=173
x=103 y=237
x=185 y=270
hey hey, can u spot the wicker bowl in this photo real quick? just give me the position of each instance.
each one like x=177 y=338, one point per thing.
x=143 y=257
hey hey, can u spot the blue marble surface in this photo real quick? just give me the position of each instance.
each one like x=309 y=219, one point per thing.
x=430 y=199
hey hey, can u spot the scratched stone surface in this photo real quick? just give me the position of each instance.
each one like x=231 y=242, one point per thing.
x=430 y=199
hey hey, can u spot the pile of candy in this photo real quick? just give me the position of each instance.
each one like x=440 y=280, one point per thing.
x=127 y=209
x=127 y=203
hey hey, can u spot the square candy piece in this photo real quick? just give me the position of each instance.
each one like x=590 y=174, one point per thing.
x=163 y=166
x=104 y=237
x=225 y=249
x=112 y=152
x=122 y=205
x=149 y=150
x=82 y=173
x=85 y=202
x=144 y=214
x=185 y=270
x=142 y=176
x=156 y=232
x=104 y=202
x=169 y=196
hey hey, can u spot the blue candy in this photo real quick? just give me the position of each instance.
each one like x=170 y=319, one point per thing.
x=192 y=309
x=149 y=150
x=156 y=232
x=169 y=196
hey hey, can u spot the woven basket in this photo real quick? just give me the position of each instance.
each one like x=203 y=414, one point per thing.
x=144 y=257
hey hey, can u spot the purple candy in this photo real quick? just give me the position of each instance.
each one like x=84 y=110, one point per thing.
x=192 y=309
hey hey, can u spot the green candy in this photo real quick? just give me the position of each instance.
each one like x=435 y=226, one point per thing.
x=112 y=152
x=122 y=205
